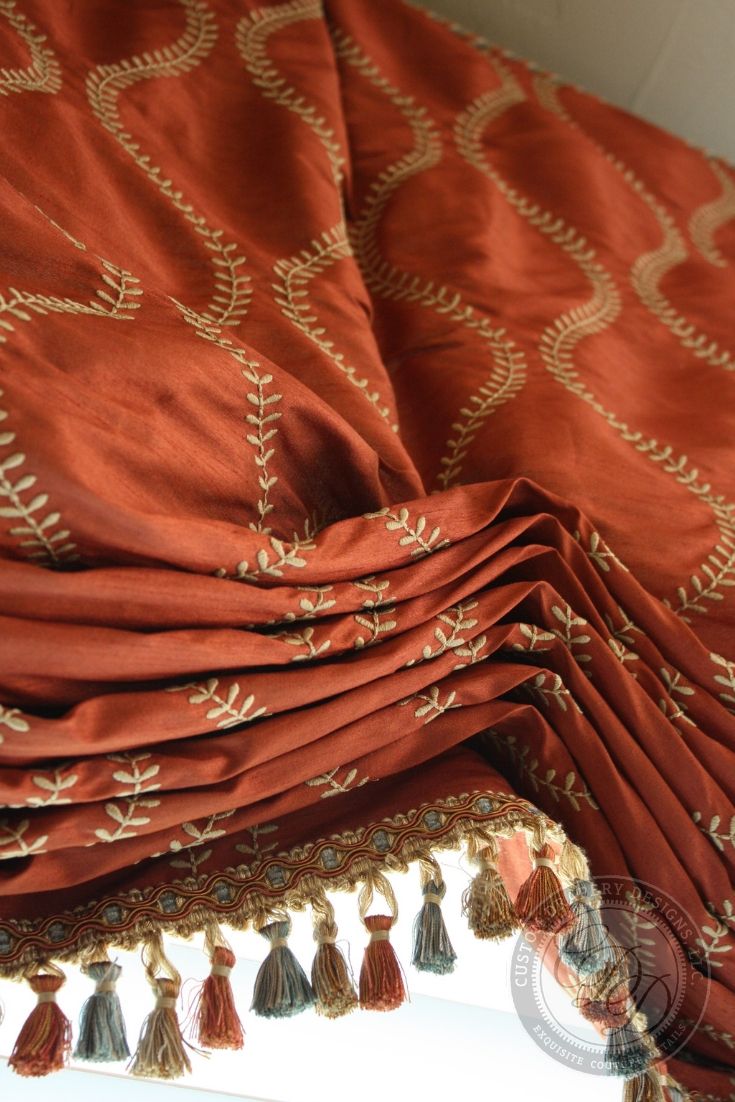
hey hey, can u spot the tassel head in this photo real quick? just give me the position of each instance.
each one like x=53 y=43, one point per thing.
x=541 y=903
x=218 y=1024
x=281 y=986
x=432 y=949
x=381 y=979
x=44 y=1042
x=486 y=904
x=102 y=1036
x=331 y=979
x=585 y=946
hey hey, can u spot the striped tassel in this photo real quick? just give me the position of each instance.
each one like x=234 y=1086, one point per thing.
x=102 y=1036
x=331 y=979
x=432 y=949
x=541 y=903
x=217 y=1023
x=44 y=1042
x=281 y=986
x=161 y=1053
x=584 y=946
x=486 y=904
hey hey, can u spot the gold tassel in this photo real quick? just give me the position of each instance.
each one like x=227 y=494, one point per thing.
x=331 y=978
x=486 y=904
x=160 y=1053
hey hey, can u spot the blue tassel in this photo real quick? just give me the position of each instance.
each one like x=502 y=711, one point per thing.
x=281 y=986
x=102 y=1035
x=432 y=949
x=585 y=946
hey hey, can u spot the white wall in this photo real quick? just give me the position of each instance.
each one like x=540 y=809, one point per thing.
x=672 y=61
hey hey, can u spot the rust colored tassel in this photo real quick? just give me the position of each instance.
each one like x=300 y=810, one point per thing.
x=160 y=1053
x=541 y=903
x=644 y=1088
x=486 y=904
x=217 y=1022
x=331 y=978
x=381 y=980
x=44 y=1042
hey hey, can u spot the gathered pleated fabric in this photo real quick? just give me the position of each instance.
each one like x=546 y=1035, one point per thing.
x=368 y=400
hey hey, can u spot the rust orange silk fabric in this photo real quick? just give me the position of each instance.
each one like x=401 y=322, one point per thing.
x=365 y=392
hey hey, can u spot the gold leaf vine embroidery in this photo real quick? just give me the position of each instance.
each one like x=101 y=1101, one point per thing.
x=232 y=292
x=52 y=784
x=291 y=295
x=252 y=36
x=457 y=621
x=259 y=419
x=304 y=638
x=718 y=838
x=429 y=705
x=546 y=686
x=377 y=617
x=199 y=836
x=508 y=374
x=649 y=269
x=726 y=678
x=41 y=536
x=707 y=219
x=336 y=787
x=44 y=73
x=15 y=836
x=414 y=533
x=14 y=720
x=296 y=272
x=255 y=848
x=271 y=561
x=560 y=338
x=528 y=766
x=225 y=705
x=135 y=795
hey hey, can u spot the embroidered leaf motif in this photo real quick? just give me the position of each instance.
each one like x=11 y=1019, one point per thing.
x=12 y=718
x=133 y=800
x=15 y=836
x=228 y=709
x=400 y=521
x=54 y=786
x=528 y=766
x=335 y=787
x=431 y=705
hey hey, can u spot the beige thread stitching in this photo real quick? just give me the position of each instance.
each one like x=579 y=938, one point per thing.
x=651 y=267
x=232 y=293
x=707 y=219
x=44 y=73
x=559 y=339
x=252 y=36
x=509 y=372
x=295 y=273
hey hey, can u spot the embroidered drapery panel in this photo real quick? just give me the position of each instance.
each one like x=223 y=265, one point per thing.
x=365 y=393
